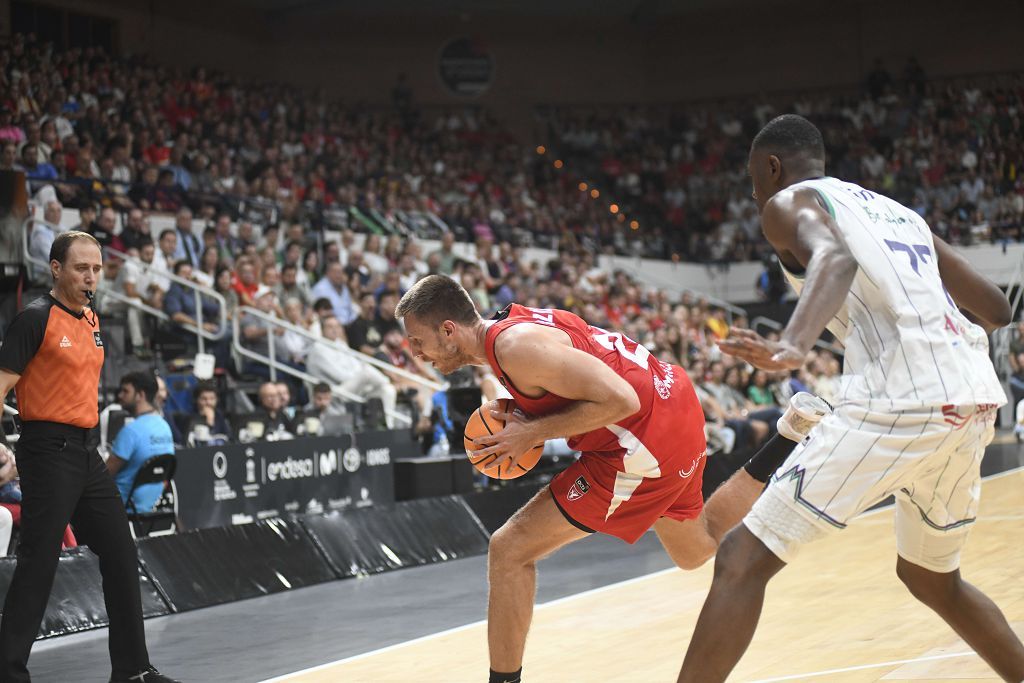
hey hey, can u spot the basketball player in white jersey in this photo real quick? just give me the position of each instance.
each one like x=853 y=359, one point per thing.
x=915 y=411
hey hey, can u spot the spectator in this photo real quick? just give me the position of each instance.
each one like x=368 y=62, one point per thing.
x=750 y=433
x=295 y=345
x=163 y=257
x=344 y=370
x=322 y=309
x=34 y=169
x=395 y=351
x=137 y=280
x=323 y=403
x=206 y=273
x=289 y=287
x=246 y=282
x=9 y=157
x=136 y=230
x=445 y=253
x=103 y=229
x=41 y=239
x=365 y=333
x=276 y=424
x=188 y=246
x=285 y=392
x=385 y=320
x=146 y=436
x=333 y=288
x=180 y=302
x=222 y=284
x=228 y=246
x=758 y=391
x=208 y=426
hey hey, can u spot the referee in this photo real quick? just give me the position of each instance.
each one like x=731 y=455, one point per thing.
x=52 y=355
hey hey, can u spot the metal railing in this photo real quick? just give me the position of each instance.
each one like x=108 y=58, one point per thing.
x=271 y=361
x=776 y=326
x=107 y=291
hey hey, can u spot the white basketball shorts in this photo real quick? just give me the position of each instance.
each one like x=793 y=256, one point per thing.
x=930 y=459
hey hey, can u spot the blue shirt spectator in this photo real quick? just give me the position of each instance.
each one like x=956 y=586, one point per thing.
x=333 y=288
x=138 y=441
x=180 y=301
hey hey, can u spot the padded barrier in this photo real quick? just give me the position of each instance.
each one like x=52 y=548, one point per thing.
x=76 y=601
x=212 y=566
x=415 y=532
x=494 y=507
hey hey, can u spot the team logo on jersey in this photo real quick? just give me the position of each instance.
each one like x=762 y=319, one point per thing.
x=99 y=340
x=685 y=473
x=664 y=386
x=65 y=343
x=578 y=489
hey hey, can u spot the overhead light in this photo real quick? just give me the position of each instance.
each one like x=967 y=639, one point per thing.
x=583 y=187
x=541 y=149
x=594 y=193
x=558 y=163
x=614 y=208
x=635 y=225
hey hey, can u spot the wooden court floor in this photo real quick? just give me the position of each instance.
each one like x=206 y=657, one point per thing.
x=838 y=613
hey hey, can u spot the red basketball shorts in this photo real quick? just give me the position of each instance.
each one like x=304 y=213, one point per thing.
x=623 y=493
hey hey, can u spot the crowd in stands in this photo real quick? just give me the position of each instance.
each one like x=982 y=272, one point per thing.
x=251 y=171
x=950 y=149
x=129 y=134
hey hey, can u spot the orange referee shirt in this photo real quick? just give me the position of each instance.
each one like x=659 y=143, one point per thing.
x=58 y=354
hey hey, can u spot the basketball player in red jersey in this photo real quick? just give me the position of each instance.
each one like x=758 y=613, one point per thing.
x=637 y=422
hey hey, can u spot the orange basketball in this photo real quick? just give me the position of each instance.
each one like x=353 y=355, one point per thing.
x=482 y=423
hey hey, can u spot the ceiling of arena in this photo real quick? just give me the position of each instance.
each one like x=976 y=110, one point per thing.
x=593 y=8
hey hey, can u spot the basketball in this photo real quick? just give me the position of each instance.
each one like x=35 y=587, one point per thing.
x=482 y=423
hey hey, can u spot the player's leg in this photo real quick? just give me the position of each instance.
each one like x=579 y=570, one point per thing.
x=970 y=613
x=535 y=531
x=932 y=525
x=691 y=542
x=743 y=567
x=819 y=492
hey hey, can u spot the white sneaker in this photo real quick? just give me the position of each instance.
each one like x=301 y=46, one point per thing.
x=803 y=412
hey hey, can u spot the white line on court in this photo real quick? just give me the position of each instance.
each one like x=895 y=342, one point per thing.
x=611 y=586
x=482 y=622
x=861 y=667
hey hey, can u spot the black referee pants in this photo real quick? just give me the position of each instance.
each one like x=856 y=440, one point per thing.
x=64 y=479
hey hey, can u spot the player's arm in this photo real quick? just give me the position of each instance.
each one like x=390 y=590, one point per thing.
x=114 y=464
x=801 y=230
x=797 y=223
x=971 y=290
x=541 y=363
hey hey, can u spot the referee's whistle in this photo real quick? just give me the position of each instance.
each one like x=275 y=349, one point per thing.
x=89 y=294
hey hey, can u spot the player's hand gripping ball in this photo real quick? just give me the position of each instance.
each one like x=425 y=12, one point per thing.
x=482 y=423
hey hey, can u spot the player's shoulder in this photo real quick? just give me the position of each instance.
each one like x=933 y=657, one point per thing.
x=527 y=343
x=794 y=198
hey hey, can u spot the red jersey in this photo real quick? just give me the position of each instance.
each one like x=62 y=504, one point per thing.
x=653 y=381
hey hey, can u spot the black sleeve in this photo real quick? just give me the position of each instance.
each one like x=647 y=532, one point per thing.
x=23 y=338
